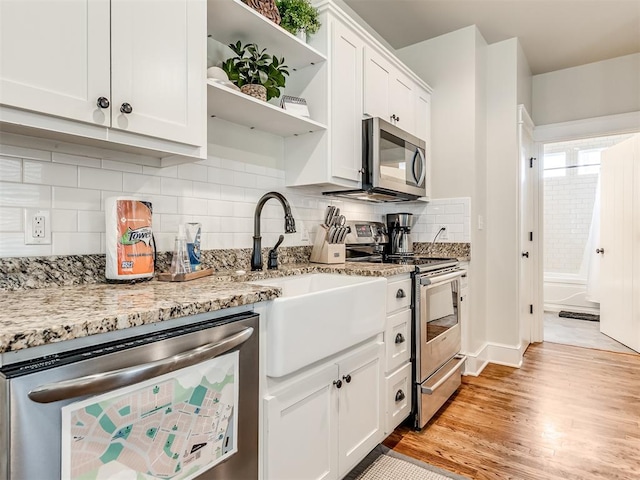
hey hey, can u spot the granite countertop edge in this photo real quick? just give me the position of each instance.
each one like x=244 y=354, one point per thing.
x=30 y=318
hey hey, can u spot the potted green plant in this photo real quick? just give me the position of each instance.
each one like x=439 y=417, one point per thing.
x=298 y=17
x=256 y=72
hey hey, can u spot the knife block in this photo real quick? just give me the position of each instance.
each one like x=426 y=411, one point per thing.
x=325 y=252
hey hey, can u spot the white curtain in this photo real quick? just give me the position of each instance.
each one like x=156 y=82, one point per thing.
x=591 y=259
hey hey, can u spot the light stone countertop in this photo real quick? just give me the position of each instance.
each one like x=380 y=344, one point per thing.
x=30 y=318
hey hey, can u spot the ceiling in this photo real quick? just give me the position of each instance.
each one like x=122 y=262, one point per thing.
x=554 y=34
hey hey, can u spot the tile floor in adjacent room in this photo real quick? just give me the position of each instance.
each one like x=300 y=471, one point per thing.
x=581 y=333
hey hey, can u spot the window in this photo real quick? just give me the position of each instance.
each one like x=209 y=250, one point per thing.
x=589 y=162
x=555 y=164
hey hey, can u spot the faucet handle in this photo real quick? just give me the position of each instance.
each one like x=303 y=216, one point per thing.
x=272 y=264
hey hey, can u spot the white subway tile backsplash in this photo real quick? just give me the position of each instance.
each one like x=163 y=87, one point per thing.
x=76 y=160
x=234 y=194
x=64 y=220
x=170 y=172
x=11 y=219
x=219 y=176
x=48 y=173
x=99 y=179
x=91 y=221
x=220 y=208
x=243 y=179
x=76 y=198
x=163 y=204
x=209 y=191
x=192 y=206
x=76 y=243
x=21 y=195
x=10 y=169
x=176 y=187
x=192 y=171
x=133 y=182
x=12 y=245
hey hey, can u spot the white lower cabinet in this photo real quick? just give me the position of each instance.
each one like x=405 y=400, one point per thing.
x=397 y=341
x=325 y=421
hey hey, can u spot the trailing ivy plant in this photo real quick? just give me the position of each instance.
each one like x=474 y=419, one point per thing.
x=250 y=65
x=298 y=15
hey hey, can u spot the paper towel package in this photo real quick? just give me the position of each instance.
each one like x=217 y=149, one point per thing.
x=130 y=249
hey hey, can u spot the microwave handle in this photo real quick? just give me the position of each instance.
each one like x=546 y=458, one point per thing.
x=104 y=382
x=418 y=158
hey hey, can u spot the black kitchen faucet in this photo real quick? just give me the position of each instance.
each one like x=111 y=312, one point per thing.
x=289 y=227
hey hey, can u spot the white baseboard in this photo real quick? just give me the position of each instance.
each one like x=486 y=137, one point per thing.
x=508 y=355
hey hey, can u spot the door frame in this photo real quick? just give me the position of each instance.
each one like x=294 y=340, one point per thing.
x=559 y=132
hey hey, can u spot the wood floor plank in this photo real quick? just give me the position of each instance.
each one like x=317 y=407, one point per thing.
x=568 y=413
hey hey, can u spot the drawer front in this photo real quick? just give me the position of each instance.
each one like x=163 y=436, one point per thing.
x=397 y=340
x=439 y=350
x=435 y=390
x=398 y=295
x=397 y=397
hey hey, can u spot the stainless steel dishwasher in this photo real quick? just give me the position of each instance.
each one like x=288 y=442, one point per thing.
x=179 y=403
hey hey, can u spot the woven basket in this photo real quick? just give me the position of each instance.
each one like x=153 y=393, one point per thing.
x=267 y=8
x=254 y=90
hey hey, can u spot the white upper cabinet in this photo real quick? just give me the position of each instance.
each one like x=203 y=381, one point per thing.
x=391 y=95
x=158 y=51
x=346 y=103
x=137 y=67
x=54 y=57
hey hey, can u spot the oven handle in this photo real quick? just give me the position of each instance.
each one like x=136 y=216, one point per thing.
x=104 y=382
x=436 y=280
x=432 y=388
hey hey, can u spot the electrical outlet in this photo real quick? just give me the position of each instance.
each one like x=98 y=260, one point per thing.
x=304 y=235
x=37 y=227
x=443 y=234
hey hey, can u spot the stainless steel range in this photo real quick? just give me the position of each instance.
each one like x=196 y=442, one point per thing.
x=436 y=359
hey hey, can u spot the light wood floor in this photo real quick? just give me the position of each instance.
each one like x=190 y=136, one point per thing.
x=568 y=413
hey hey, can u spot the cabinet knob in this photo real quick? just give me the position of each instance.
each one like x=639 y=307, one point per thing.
x=361 y=171
x=400 y=396
x=126 y=108
x=338 y=383
x=103 y=102
x=400 y=293
x=393 y=118
x=525 y=254
x=347 y=378
x=400 y=338
x=600 y=250
x=397 y=119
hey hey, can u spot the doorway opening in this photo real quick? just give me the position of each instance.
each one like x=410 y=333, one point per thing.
x=571 y=211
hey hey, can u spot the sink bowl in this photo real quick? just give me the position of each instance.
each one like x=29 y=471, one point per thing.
x=320 y=314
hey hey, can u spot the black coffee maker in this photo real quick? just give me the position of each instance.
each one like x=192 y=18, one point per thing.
x=399 y=227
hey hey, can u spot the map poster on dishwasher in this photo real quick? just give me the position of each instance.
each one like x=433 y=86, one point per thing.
x=175 y=426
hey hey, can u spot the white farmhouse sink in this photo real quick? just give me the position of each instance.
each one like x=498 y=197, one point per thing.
x=318 y=315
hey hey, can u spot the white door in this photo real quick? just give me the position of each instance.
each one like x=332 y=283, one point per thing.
x=528 y=168
x=346 y=103
x=54 y=57
x=301 y=429
x=159 y=68
x=620 y=240
x=361 y=413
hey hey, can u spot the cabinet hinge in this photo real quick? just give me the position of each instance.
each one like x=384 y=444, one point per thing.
x=531 y=160
x=531 y=309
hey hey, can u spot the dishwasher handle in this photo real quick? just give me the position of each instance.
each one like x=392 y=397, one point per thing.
x=104 y=382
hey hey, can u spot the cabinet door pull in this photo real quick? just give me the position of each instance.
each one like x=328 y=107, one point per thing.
x=338 y=383
x=347 y=378
x=399 y=396
x=126 y=108
x=600 y=250
x=103 y=102
x=525 y=254
x=400 y=293
x=399 y=338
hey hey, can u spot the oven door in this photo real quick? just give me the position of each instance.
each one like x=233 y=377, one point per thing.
x=438 y=322
x=397 y=159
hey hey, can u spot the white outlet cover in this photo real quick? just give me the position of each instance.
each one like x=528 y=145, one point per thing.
x=29 y=215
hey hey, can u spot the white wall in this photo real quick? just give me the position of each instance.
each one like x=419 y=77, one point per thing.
x=454 y=66
x=597 y=89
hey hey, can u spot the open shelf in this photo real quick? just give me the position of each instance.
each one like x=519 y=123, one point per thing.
x=231 y=20
x=236 y=107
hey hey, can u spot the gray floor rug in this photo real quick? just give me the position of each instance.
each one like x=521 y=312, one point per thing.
x=580 y=316
x=385 y=464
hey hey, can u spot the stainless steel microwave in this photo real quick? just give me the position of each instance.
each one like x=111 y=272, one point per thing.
x=394 y=165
